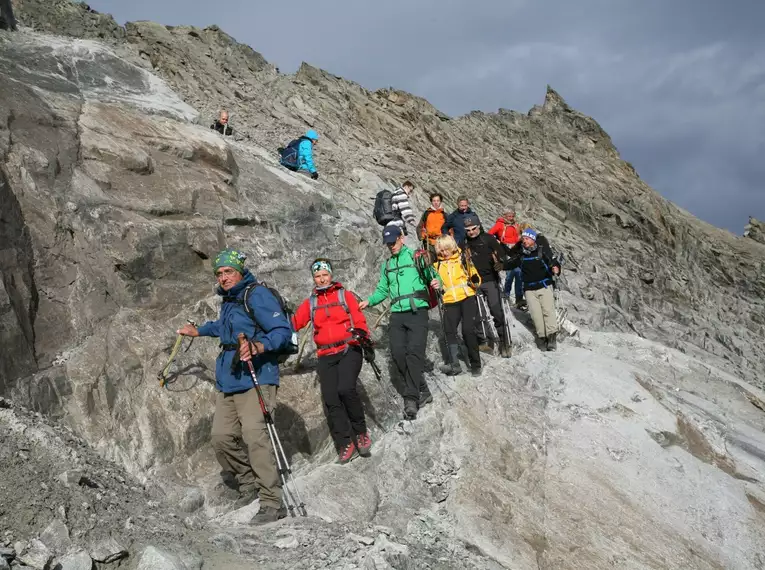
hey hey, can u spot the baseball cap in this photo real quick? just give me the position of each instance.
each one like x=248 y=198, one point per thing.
x=471 y=221
x=391 y=234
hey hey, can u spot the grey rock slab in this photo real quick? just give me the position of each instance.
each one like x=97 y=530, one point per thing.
x=56 y=536
x=107 y=550
x=78 y=561
x=37 y=556
x=153 y=558
x=287 y=542
x=4 y=565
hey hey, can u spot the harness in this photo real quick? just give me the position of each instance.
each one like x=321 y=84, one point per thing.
x=544 y=282
x=420 y=294
x=313 y=304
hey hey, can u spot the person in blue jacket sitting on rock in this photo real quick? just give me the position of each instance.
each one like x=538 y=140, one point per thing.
x=298 y=155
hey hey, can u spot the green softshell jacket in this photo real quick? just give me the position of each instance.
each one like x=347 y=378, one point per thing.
x=399 y=280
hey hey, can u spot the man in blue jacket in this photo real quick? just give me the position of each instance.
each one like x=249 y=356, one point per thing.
x=299 y=154
x=456 y=221
x=237 y=410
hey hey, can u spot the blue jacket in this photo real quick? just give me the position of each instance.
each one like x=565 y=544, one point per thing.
x=456 y=221
x=305 y=156
x=274 y=332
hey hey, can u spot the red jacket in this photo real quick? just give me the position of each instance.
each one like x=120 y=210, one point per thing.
x=504 y=232
x=330 y=324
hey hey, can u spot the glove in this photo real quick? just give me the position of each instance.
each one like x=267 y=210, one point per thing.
x=314 y=175
x=498 y=266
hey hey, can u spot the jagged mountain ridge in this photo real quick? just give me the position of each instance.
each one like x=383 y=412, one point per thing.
x=615 y=449
x=557 y=166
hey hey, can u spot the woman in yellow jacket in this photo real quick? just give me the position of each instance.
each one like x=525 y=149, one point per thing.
x=458 y=279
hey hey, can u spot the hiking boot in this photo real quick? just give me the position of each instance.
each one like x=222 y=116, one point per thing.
x=348 y=453
x=268 y=515
x=475 y=371
x=425 y=399
x=552 y=342
x=487 y=348
x=364 y=444
x=246 y=496
x=410 y=409
x=541 y=342
x=505 y=351
x=452 y=368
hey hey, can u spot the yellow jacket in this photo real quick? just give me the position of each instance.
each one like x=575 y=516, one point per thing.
x=457 y=284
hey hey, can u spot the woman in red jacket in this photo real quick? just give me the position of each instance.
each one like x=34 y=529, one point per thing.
x=333 y=311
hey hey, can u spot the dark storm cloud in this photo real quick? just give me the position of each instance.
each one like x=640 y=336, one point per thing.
x=680 y=86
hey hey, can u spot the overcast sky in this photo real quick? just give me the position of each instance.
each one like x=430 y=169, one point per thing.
x=678 y=84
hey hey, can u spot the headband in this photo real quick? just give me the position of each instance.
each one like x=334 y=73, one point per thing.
x=321 y=264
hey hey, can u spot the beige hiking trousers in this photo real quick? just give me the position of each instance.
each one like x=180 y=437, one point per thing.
x=238 y=418
x=542 y=310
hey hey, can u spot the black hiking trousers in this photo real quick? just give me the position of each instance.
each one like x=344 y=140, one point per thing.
x=494 y=299
x=408 y=339
x=465 y=311
x=338 y=375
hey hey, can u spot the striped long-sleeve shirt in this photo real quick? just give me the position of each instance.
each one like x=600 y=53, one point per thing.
x=404 y=212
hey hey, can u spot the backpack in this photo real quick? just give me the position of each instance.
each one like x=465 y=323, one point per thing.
x=312 y=303
x=289 y=155
x=383 y=210
x=289 y=348
x=422 y=261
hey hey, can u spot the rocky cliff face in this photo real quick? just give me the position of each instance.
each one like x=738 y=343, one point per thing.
x=619 y=450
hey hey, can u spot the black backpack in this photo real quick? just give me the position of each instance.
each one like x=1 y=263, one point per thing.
x=289 y=348
x=289 y=155
x=383 y=211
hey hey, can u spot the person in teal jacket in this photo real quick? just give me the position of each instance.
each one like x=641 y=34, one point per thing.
x=237 y=408
x=401 y=282
x=298 y=155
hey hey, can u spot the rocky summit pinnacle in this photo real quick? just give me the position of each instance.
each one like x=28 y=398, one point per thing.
x=639 y=443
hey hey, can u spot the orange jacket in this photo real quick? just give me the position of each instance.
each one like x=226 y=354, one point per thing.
x=430 y=224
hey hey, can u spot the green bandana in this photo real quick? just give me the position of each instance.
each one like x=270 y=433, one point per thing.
x=230 y=258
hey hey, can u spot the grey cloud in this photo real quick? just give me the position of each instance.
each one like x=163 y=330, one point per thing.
x=679 y=85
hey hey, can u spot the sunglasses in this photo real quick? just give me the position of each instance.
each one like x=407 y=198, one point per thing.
x=472 y=229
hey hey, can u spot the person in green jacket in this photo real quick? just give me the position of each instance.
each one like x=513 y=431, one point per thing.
x=401 y=282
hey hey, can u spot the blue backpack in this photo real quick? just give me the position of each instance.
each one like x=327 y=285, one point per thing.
x=289 y=155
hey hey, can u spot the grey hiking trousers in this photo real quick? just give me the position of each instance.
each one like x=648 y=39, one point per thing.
x=541 y=304
x=238 y=417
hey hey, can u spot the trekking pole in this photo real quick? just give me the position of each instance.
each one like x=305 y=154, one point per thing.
x=368 y=350
x=302 y=347
x=282 y=463
x=162 y=374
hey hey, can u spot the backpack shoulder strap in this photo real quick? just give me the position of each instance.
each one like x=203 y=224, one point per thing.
x=312 y=304
x=341 y=298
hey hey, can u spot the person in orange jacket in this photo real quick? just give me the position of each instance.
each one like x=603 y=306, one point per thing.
x=333 y=311
x=431 y=223
x=508 y=232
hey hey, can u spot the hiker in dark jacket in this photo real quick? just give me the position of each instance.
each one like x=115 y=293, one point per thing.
x=221 y=125
x=298 y=155
x=455 y=222
x=7 y=20
x=488 y=256
x=535 y=258
x=333 y=311
x=237 y=408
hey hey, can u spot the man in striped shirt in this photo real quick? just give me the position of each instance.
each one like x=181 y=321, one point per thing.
x=402 y=207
